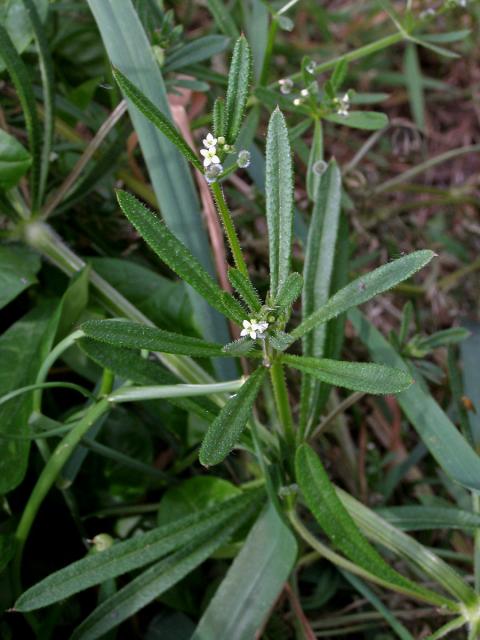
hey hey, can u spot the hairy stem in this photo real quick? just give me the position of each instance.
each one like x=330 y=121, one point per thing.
x=229 y=228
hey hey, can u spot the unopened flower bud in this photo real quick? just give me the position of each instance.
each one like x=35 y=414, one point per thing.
x=243 y=158
x=212 y=172
x=221 y=140
x=286 y=85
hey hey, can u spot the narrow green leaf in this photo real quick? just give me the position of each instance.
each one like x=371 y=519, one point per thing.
x=454 y=335
x=196 y=51
x=423 y=517
x=450 y=36
x=358 y=376
x=153 y=582
x=441 y=51
x=132 y=335
x=339 y=526
x=15 y=160
x=244 y=287
x=14 y=17
x=318 y=272
x=129 y=365
x=132 y=554
x=339 y=74
x=18 y=269
x=169 y=249
x=160 y=120
x=74 y=302
x=223 y=18
x=289 y=291
x=238 y=88
x=279 y=197
x=253 y=582
x=390 y=537
x=314 y=158
x=413 y=78
x=23 y=85
x=441 y=437
x=219 y=117
x=364 y=288
x=367 y=120
x=224 y=432
x=46 y=70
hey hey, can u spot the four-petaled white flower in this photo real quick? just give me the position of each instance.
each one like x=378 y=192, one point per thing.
x=209 y=141
x=210 y=156
x=343 y=105
x=253 y=328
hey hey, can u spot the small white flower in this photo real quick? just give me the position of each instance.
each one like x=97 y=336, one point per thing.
x=212 y=172
x=243 y=158
x=343 y=105
x=304 y=93
x=210 y=156
x=209 y=141
x=297 y=102
x=253 y=329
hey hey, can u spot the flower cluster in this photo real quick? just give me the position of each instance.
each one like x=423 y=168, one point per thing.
x=343 y=105
x=254 y=329
x=210 y=152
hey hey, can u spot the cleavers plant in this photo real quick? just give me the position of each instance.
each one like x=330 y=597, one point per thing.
x=289 y=504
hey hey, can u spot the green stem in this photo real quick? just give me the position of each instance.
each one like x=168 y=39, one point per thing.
x=357 y=54
x=139 y=394
x=47 y=478
x=342 y=562
x=282 y=402
x=229 y=228
x=272 y=32
x=55 y=353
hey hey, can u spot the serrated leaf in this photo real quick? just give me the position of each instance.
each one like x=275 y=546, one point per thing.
x=367 y=120
x=253 y=582
x=225 y=430
x=244 y=287
x=279 y=200
x=358 y=376
x=339 y=526
x=15 y=160
x=132 y=554
x=289 y=291
x=239 y=347
x=176 y=255
x=131 y=335
x=129 y=365
x=364 y=288
x=238 y=88
x=156 y=117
